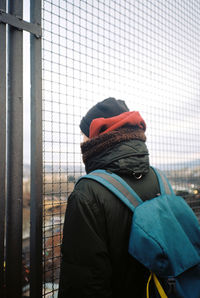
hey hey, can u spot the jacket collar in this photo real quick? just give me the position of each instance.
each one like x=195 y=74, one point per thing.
x=121 y=151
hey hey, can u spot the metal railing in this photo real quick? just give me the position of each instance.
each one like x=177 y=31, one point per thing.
x=11 y=97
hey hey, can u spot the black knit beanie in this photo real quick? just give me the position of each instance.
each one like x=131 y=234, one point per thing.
x=107 y=108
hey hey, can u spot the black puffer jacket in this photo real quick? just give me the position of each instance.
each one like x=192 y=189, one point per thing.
x=95 y=260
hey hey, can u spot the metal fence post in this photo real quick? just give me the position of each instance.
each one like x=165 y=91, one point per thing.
x=3 y=143
x=36 y=157
x=15 y=156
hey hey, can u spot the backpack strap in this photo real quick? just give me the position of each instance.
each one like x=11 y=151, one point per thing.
x=157 y=285
x=165 y=186
x=122 y=190
x=117 y=186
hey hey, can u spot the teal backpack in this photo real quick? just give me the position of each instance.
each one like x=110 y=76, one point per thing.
x=164 y=237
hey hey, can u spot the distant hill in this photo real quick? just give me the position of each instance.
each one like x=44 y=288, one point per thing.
x=179 y=166
x=56 y=168
x=26 y=170
x=80 y=169
x=68 y=168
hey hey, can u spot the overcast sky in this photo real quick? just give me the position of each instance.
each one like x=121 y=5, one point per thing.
x=148 y=55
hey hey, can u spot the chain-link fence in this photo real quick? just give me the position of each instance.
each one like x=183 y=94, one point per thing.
x=144 y=52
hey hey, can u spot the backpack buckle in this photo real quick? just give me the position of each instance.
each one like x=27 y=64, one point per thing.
x=172 y=285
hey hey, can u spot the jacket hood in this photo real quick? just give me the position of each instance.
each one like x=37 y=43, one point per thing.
x=126 y=157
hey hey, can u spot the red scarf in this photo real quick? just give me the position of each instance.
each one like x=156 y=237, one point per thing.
x=109 y=124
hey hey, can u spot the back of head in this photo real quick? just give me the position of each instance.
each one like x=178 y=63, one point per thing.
x=108 y=108
x=107 y=124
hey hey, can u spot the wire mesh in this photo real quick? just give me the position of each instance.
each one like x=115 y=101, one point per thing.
x=145 y=52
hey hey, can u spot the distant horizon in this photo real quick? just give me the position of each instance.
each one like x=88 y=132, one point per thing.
x=176 y=165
